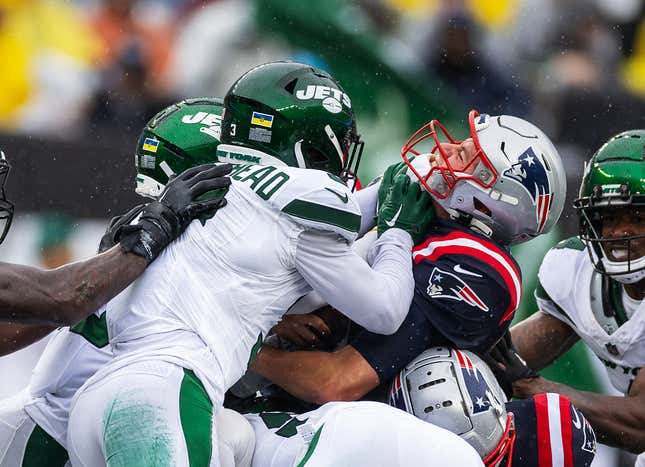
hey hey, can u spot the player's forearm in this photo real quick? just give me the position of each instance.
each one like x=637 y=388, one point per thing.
x=65 y=295
x=304 y=375
x=617 y=421
x=14 y=337
x=377 y=298
x=541 y=339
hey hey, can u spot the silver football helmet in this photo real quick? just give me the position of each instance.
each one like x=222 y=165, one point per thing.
x=512 y=190
x=455 y=389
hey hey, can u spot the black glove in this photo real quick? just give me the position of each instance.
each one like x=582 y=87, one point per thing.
x=196 y=193
x=108 y=239
x=507 y=365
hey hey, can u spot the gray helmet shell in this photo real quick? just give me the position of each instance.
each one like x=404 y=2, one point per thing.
x=434 y=388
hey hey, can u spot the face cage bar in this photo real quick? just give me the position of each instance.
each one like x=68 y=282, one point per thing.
x=350 y=170
x=505 y=446
x=597 y=246
x=6 y=206
x=448 y=173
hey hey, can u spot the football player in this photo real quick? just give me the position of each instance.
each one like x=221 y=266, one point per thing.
x=65 y=295
x=353 y=434
x=457 y=391
x=186 y=330
x=503 y=185
x=33 y=423
x=591 y=287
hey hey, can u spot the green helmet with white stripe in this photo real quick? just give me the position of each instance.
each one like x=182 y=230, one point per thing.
x=286 y=113
x=183 y=135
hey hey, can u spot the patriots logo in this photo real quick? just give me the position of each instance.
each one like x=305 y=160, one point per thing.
x=476 y=385
x=531 y=174
x=395 y=397
x=443 y=284
x=582 y=427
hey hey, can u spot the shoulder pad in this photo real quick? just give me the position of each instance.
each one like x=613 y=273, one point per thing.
x=559 y=268
x=571 y=243
x=317 y=200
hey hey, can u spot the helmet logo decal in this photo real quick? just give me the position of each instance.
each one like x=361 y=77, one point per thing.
x=261 y=119
x=396 y=394
x=443 y=284
x=150 y=144
x=478 y=389
x=531 y=174
x=212 y=122
x=332 y=98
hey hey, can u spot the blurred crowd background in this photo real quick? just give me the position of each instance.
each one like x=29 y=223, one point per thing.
x=79 y=79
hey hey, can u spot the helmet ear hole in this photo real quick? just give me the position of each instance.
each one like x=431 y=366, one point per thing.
x=481 y=207
x=316 y=159
x=291 y=86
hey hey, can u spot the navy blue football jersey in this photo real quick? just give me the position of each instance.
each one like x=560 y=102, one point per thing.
x=467 y=289
x=466 y=285
x=550 y=432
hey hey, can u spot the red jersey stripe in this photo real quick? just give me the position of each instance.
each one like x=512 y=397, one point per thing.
x=543 y=432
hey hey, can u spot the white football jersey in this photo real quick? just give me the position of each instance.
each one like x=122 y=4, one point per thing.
x=230 y=280
x=355 y=434
x=570 y=290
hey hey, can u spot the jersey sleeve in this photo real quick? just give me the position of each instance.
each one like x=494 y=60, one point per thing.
x=388 y=354
x=376 y=297
x=467 y=287
x=316 y=200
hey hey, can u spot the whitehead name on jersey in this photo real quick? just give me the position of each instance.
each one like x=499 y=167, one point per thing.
x=231 y=280
x=570 y=290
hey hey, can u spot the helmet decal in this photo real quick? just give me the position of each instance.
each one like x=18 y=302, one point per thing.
x=530 y=172
x=478 y=389
x=395 y=397
x=332 y=98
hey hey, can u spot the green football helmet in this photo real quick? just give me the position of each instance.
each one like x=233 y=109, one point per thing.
x=614 y=177
x=181 y=136
x=286 y=113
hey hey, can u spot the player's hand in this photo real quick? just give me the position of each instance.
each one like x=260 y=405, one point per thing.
x=507 y=365
x=308 y=330
x=406 y=206
x=196 y=193
x=108 y=239
x=387 y=179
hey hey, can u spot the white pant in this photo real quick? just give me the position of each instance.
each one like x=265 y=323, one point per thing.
x=149 y=413
x=356 y=434
x=22 y=440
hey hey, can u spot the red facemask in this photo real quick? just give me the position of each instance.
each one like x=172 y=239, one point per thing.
x=505 y=446
x=449 y=174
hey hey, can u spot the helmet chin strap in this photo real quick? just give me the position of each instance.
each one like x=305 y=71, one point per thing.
x=334 y=141
x=300 y=158
x=614 y=268
x=472 y=223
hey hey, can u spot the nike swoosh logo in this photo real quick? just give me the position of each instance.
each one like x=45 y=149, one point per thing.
x=392 y=221
x=460 y=270
x=344 y=197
